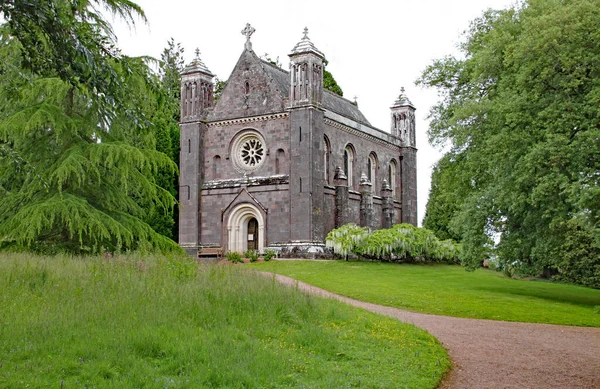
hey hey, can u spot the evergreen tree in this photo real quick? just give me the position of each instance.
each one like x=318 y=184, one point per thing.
x=78 y=156
x=166 y=123
x=70 y=39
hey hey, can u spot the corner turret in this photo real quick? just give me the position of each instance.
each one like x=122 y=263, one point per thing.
x=306 y=69
x=403 y=120
x=196 y=90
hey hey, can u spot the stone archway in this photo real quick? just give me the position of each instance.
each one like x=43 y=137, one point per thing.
x=238 y=236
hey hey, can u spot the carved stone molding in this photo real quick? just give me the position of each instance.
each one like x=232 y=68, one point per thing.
x=254 y=119
x=360 y=134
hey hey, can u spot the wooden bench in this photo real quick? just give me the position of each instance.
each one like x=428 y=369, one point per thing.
x=210 y=252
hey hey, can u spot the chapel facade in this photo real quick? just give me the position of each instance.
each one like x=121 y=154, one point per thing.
x=278 y=162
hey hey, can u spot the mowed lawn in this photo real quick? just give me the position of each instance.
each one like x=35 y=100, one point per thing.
x=449 y=290
x=138 y=322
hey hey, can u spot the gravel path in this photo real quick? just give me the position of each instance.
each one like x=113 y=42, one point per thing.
x=498 y=354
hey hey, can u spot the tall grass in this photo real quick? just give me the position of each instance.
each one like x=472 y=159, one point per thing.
x=162 y=323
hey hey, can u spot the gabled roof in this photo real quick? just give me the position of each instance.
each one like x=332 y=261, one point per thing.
x=331 y=101
x=266 y=95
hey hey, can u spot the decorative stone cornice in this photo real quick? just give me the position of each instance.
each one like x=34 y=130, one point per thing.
x=361 y=134
x=253 y=119
x=247 y=181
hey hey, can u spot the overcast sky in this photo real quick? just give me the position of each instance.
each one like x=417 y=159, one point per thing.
x=373 y=47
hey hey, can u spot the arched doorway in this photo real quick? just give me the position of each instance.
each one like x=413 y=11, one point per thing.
x=253 y=234
x=245 y=229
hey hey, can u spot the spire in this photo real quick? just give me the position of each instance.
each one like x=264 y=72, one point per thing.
x=306 y=46
x=402 y=100
x=247 y=32
x=197 y=66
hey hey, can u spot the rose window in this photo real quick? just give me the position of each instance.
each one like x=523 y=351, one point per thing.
x=252 y=152
x=249 y=151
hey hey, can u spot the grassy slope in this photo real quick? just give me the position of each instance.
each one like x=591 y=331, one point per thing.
x=449 y=290
x=162 y=323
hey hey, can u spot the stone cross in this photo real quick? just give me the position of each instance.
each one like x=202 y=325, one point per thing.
x=247 y=32
x=305 y=33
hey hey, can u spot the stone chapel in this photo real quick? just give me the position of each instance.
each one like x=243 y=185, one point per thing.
x=278 y=162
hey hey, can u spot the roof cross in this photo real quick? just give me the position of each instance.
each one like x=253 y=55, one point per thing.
x=247 y=32
x=305 y=33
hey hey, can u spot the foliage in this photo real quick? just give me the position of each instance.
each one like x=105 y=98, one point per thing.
x=233 y=256
x=448 y=290
x=77 y=163
x=133 y=322
x=71 y=40
x=329 y=83
x=269 y=254
x=519 y=111
x=166 y=122
x=447 y=188
x=274 y=62
x=344 y=239
x=219 y=87
x=580 y=261
x=171 y=66
x=252 y=255
x=402 y=242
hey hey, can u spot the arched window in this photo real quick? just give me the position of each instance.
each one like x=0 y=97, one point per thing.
x=326 y=148
x=372 y=171
x=392 y=176
x=216 y=167
x=280 y=162
x=186 y=99
x=348 y=164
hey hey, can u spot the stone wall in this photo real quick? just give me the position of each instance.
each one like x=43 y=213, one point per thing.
x=409 y=186
x=190 y=183
x=220 y=135
x=363 y=146
x=329 y=209
x=216 y=202
x=249 y=91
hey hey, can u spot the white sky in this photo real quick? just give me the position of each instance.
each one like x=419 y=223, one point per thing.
x=373 y=47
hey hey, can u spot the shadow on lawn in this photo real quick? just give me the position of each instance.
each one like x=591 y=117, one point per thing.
x=555 y=294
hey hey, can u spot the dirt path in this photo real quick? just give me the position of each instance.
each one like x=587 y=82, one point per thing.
x=497 y=354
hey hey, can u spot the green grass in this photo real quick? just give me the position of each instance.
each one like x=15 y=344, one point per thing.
x=449 y=290
x=165 y=323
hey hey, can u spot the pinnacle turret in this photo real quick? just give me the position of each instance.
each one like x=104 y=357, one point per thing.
x=306 y=46
x=402 y=100
x=197 y=66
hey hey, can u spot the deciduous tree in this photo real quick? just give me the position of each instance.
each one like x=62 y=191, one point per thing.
x=520 y=111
